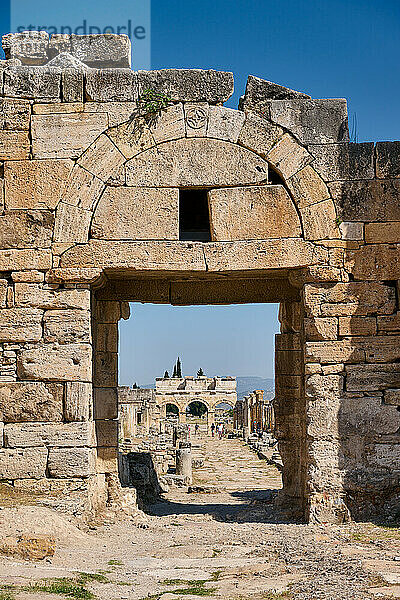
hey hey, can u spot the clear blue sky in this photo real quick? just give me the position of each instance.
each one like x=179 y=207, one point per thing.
x=327 y=48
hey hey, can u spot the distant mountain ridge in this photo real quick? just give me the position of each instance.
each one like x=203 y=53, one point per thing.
x=245 y=385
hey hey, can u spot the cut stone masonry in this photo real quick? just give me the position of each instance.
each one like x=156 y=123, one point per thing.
x=89 y=197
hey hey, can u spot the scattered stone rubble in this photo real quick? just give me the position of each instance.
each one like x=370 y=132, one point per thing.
x=90 y=221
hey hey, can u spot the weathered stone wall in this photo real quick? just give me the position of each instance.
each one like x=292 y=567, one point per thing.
x=89 y=197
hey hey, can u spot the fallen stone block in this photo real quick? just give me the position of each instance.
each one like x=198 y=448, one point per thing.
x=106 y=50
x=259 y=92
x=28 y=547
x=30 y=47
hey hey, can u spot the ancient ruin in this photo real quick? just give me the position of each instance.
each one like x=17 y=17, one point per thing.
x=121 y=186
x=143 y=409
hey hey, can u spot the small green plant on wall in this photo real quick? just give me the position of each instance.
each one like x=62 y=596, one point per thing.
x=150 y=105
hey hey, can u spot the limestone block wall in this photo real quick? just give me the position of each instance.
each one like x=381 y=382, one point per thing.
x=89 y=198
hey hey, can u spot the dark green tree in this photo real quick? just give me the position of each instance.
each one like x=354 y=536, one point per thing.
x=200 y=372
x=166 y=375
x=174 y=373
x=178 y=368
x=196 y=408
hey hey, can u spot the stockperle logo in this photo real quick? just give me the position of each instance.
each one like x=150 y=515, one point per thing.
x=132 y=17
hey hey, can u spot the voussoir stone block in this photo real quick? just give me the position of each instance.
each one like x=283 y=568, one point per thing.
x=345 y=299
x=169 y=125
x=319 y=221
x=20 y=325
x=65 y=135
x=67 y=326
x=29 y=435
x=52 y=362
x=35 y=184
x=30 y=401
x=288 y=157
x=196 y=162
x=21 y=463
x=14 y=114
x=137 y=213
x=37 y=296
x=111 y=85
x=102 y=158
x=132 y=137
x=225 y=123
x=72 y=224
x=82 y=188
x=254 y=212
x=39 y=83
x=259 y=134
x=307 y=187
x=188 y=85
x=71 y=462
x=24 y=229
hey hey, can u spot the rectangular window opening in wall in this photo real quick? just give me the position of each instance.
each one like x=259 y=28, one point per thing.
x=139 y=418
x=194 y=217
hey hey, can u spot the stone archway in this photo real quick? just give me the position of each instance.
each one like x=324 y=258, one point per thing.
x=70 y=261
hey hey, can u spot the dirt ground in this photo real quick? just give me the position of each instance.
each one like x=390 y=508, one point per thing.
x=228 y=544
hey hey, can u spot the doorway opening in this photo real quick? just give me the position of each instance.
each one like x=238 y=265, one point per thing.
x=198 y=366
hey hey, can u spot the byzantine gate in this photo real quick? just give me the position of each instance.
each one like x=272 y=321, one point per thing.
x=102 y=192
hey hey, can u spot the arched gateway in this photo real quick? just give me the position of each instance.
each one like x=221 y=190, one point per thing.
x=101 y=207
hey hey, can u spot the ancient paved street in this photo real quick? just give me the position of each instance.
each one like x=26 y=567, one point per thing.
x=227 y=544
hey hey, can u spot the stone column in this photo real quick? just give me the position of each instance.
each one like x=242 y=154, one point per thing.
x=184 y=461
